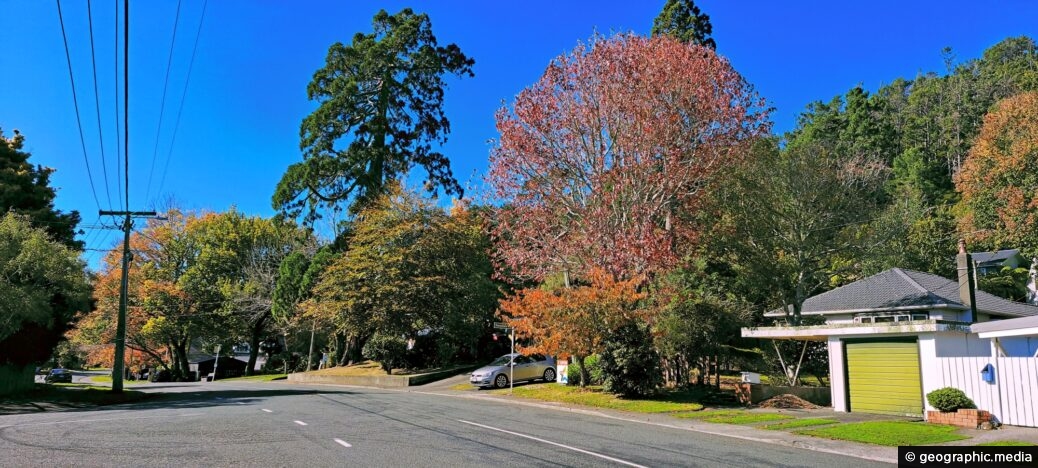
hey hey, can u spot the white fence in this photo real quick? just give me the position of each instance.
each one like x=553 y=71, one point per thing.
x=1012 y=398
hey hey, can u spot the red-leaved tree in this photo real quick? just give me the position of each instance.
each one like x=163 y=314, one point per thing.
x=599 y=158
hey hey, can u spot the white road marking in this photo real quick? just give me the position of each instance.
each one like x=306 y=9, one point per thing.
x=587 y=452
x=240 y=402
x=267 y=410
x=301 y=423
x=342 y=443
x=219 y=398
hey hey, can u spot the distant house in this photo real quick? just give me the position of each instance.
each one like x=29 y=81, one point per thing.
x=227 y=367
x=899 y=334
x=993 y=262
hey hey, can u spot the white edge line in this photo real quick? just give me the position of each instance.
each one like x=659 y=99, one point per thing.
x=342 y=443
x=587 y=452
x=301 y=423
x=267 y=410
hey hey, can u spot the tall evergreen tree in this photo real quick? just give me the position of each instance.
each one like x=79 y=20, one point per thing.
x=683 y=20
x=380 y=110
x=25 y=189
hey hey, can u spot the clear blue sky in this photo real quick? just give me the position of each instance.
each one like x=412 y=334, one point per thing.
x=240 y=123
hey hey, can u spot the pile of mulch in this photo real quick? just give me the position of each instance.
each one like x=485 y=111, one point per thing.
x=787 y=401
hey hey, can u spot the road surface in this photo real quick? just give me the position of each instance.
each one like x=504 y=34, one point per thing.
x=279 y=424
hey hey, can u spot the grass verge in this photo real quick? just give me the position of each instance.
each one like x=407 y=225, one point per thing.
x=595 y=396
x=734 y=416
x=108 y=380
x=889 y=433
x=798 y=423
x=71 y=395
x=463 y=387
x=1006 y=443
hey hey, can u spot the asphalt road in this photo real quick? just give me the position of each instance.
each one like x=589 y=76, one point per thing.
x=277 y=424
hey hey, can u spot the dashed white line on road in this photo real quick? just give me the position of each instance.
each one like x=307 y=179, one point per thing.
x=567 y=447
x=240 y=402
x=267 y=410
x=343 y=443
x=301 y=423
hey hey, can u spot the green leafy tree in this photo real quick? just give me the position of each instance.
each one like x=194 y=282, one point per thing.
x=380 y=111
x=43 y=284
x=410 y=267
x=805 y=207
x=26 y=189
x=682 y=20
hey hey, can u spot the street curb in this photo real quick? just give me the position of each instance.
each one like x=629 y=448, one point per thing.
x=796 y=442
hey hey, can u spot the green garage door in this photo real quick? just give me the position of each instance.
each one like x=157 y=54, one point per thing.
x=883 y=377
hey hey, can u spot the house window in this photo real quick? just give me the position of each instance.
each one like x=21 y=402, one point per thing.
x=891 y=317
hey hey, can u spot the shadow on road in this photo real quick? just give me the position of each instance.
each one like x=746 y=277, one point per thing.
x=69 y=399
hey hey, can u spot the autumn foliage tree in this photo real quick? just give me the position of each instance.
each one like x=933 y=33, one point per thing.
x=576 y=320
x=597 y=158
x=999 y=179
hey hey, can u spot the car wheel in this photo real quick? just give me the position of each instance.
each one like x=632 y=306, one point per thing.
x=549 y=375
x=501 y=381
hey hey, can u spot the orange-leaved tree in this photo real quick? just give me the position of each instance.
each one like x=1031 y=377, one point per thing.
x=999 y=180
x=575 y=320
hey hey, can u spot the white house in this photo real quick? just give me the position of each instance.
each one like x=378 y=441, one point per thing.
x=897 y=335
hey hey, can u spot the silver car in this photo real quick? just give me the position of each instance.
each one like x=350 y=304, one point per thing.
x=526 y=368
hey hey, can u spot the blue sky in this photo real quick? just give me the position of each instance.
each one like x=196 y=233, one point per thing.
x=246 y=96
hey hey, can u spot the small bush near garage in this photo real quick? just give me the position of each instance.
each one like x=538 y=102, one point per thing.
x=949 y=399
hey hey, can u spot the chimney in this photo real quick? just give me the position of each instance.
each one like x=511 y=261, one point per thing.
x=964 y=268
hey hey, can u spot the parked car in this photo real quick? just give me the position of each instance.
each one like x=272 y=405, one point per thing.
x=58 y=375
x=524 y=369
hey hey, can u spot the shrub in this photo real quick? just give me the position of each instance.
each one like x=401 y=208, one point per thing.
x=594 y=370
x=387 y=350
x=629 y=362
x=949 y=399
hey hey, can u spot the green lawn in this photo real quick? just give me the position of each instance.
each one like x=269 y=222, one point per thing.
x=734 y=416
x=890 y=433
x=108 y=379
x=256 y=378
x=594 y=396
x=798 y=423
x=1006 y=443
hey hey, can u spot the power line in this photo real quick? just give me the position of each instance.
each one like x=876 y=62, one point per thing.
x=183 y=96
x=97 y=103
x=75 y=102
x=162 y=106
x=118 y=131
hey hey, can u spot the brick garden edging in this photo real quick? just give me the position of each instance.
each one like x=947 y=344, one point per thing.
x=970 y=418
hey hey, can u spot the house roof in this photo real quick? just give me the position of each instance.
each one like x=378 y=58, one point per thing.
x=1015 y=324
x=900 y=289
x=997 y=257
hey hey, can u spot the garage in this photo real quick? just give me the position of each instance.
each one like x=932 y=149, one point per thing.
x=883 y=376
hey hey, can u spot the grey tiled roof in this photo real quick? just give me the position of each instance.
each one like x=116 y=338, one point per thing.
x=897 y=288
x=999 y=256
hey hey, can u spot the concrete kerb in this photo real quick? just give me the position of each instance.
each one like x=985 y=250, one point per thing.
x=838 y=447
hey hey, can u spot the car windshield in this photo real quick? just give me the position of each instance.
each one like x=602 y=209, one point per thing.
x=501 y=361
x=57 y=371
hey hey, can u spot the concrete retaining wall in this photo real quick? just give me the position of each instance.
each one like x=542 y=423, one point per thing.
x=384 y=381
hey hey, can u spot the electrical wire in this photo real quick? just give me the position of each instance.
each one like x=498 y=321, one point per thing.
x=118 y=131
x=75 y=102
x=162 y=105
x=180 y=110
x=97 y=104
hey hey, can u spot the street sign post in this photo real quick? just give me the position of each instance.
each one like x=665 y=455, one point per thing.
x=511 y=361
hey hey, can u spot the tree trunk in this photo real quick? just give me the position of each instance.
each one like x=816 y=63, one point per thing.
x=585 y=376
x=181 y=367
x=257 y=330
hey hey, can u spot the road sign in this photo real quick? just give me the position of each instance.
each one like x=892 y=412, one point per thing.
x=501 y=325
